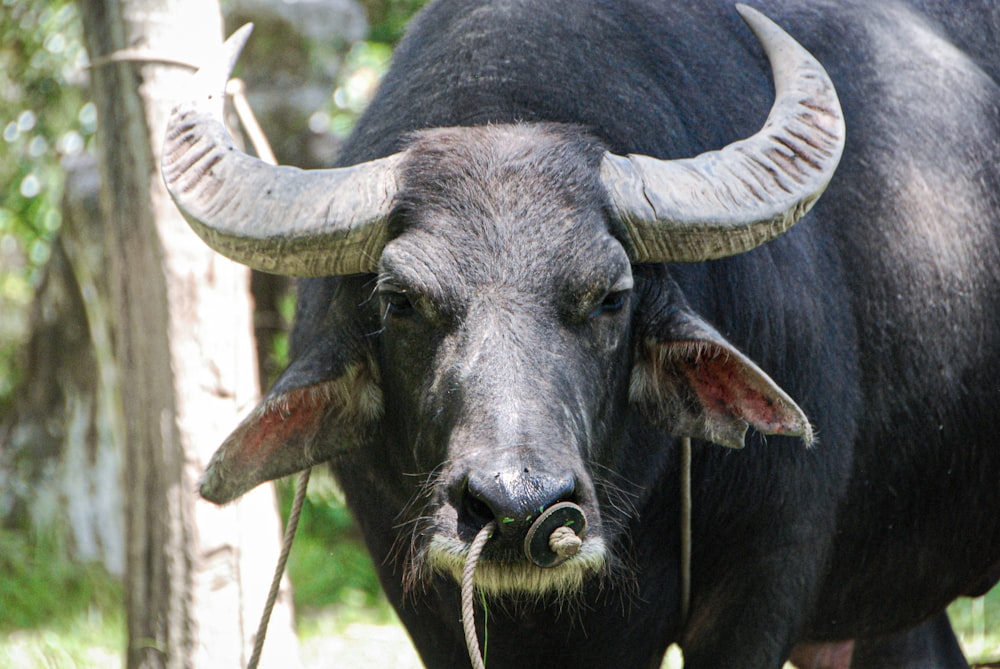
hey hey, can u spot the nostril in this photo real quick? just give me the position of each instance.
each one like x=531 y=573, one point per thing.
x=473 y=511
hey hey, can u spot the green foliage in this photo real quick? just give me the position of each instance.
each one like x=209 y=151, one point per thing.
x=359 y=76
x=364 y=65
x=43 y=118
x=388 y=18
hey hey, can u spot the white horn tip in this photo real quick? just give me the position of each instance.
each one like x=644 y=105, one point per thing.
x=233 y=46
x=209 y=82
x=755 y=18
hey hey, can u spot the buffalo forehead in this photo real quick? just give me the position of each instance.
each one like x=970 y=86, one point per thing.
x=511 y=206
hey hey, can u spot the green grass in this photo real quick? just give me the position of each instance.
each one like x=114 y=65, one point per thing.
x=40 y=586
x=54 y=613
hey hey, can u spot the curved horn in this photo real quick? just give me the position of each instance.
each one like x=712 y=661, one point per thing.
x=273 y=218
x=729 y=201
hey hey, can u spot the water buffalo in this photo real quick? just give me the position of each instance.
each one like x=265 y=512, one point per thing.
x=560 y=241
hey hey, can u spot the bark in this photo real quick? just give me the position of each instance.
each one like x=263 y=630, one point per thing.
x=196 y=575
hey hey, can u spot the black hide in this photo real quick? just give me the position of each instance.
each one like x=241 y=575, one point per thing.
x=877 y=314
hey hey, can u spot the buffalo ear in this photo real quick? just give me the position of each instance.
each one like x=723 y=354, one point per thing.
x=303 y=421
x=694 y=383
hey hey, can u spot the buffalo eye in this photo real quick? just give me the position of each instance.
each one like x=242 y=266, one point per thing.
x=612 y=302
x=395 y=301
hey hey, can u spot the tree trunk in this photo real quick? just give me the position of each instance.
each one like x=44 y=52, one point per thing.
x=196 y=575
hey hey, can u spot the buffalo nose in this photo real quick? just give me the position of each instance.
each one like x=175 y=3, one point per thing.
x=513 y=499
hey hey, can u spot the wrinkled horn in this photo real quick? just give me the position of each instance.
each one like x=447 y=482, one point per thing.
x=729 y=201
x=273 y=218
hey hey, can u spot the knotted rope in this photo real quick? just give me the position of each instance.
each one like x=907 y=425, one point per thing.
x=564 y=542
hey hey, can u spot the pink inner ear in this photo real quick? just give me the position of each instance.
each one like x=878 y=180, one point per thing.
x=295 y=430
x=728 y=385
x=273 y=441
x=292 y=419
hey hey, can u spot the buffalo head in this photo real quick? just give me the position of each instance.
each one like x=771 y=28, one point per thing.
x=505 y=309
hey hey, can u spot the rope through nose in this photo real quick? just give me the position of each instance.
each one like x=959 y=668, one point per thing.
x=564 y=542
x=469 y=592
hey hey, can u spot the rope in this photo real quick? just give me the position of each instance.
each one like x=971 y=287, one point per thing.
x=685 y=529
x=469 y=592
x=279 y=570
x=564 y=542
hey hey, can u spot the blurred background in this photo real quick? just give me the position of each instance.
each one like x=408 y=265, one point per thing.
x=310 y=70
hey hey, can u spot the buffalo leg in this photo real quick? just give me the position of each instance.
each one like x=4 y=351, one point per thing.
x=930 y=645
x=743 y=623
